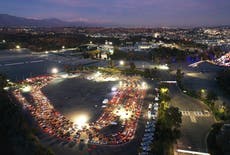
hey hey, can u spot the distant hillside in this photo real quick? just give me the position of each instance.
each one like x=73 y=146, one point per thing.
x=9 y=20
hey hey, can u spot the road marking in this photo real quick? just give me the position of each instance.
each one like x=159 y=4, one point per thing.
x=193 y=118
x=36 y=61
x=192 y=152
x=13 y=64
x=21 y=63
x=195 y=113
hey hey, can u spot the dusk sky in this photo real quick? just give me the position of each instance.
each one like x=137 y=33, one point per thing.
x=125 y=12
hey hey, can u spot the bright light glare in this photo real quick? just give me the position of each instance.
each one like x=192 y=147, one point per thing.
x=26 y=89
x=64 y=76
x=122 y=63
x=144 y=85
x=18 y=47
x=124 y=114
x=81 y=121
x=63 y=47
x=192 y=152
x=163 y=67
x=114 y=89
x=164 y=90
x=54 y=71
x=6 y=88
x=149 y=115
x=98 y=73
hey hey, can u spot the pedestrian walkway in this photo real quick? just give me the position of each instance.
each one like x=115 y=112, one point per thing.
x=194 y=114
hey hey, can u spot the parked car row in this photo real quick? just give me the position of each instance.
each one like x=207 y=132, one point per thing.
x=148 y=136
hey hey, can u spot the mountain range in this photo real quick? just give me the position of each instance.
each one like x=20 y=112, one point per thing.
x=14 y=21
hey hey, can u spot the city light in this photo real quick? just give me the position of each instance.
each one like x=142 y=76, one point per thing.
x=202 y=90
x=192 y=152
x=163 y=67
x=144 y=85
x=54 y=71
x=164 y=90
x=81 y=121
x=6 y=88
x=26 y=89
x=122 y=63
x=120 y=83
x=64 y=76
x=114 y=89
x=98 y=73
x=63 y=47
x=18 y=47
x=149 y=114
x=123 y=114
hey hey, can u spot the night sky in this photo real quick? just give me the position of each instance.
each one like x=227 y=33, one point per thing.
x=125 y=12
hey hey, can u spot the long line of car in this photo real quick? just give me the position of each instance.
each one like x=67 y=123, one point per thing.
x=148 y=136
x=125 y=106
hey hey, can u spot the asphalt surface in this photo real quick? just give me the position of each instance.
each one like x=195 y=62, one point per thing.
x=18 y=65
x=90 y=95
x=195 y=122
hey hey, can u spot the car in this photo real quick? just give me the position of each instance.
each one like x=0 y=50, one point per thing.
x=146 y=139
x=145 y=144
x=148 y=134
x=144 y=153
x=146 y=148
x=150 y=130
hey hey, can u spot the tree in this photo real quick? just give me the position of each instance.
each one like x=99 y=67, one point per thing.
x=147 y=72
x=223 y=80
x=132 y=66
x=211 y=96
x=154 y=73
x=3 y=82
x=111 y=63
x=179 y=75
x=173 y=117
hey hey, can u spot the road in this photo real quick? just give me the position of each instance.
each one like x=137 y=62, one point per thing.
x=195 y=123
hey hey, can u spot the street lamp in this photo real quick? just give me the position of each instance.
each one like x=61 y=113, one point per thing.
x=202 y=90
x=63 y=47
x=26 y=89
x=81 y=121
x=54 y=71
x=114 y=89
x=18 y=47
x=122 y=63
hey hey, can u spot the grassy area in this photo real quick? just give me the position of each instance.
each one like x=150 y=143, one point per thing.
x=109 y=70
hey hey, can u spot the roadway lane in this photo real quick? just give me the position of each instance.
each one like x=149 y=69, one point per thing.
x=195 y=122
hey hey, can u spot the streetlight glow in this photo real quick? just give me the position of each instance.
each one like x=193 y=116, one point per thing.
x=121 y=62
x=81 y=121
x=114 y=89
x=18 y=47
x=54 y=71
x=26 y=89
